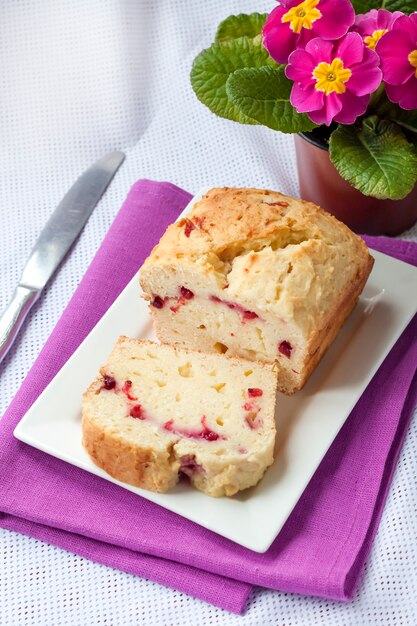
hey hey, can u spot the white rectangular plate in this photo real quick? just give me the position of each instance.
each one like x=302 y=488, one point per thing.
x=307 y=423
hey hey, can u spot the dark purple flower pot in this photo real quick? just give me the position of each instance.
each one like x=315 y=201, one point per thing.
x=321 y=183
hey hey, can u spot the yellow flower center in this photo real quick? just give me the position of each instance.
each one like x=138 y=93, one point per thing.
x=302 y=16
x=373 y=39
x=412 y=57
x=331 y=77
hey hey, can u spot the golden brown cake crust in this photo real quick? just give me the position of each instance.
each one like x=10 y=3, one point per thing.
x=130 y=462
x=228 y=216
x=325 y=337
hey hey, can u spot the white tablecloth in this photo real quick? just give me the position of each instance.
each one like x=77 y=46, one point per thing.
x=80 y=78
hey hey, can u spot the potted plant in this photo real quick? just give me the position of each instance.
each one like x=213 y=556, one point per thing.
x=341 y=76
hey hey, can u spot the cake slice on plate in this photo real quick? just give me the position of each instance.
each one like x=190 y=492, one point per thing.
x=256 y=274
x=157 y=411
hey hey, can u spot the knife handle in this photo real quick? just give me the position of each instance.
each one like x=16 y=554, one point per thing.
x=14 y=315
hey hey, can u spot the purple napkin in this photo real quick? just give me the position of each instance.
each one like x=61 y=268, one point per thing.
x=322 y=547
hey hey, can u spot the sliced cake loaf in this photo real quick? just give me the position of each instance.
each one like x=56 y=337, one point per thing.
x=256 y=274
x=157 y=410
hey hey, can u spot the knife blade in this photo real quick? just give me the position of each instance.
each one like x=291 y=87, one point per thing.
x=56 y=238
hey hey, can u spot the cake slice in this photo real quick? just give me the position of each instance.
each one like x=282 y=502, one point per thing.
x=256 y=274
x=157 y=411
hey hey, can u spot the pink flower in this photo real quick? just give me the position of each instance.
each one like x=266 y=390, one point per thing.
x=398 y=53
x=333 y=79
x=294 y=22
x=374 y=25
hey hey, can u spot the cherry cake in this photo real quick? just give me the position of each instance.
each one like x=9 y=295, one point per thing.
x=259 y=275
x=157 y=412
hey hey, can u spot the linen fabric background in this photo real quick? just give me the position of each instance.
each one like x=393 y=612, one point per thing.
x=80 y=78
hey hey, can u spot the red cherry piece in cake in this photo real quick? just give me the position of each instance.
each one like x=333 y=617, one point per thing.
x=249 y=315
x=285 y=348
x=157 y=302
x=169 y=425
x=210 y=435
x=246 y=315
x=189 y=226
x=279 y=203
x=109 y=382
x=248 y=406
x=137 y=411
x=186 y=293
x=207 y=433
x=255 y=392
x=126 y=389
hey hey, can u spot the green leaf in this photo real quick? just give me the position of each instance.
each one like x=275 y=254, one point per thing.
x=212 y=68
x=241 y=25
x=263 y=94
x=363 y=6
x=376 y=159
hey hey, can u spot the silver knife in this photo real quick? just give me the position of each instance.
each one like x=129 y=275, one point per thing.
x=59 y=233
